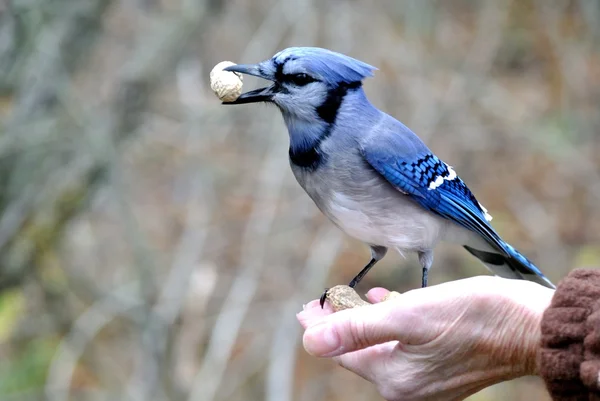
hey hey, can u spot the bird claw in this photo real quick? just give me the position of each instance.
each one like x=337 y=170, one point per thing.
x=323 y=298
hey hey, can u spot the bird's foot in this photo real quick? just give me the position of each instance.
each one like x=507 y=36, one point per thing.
x=323 y=298
x=324 y=295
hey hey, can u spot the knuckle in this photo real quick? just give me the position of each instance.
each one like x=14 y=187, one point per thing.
x=358 y=334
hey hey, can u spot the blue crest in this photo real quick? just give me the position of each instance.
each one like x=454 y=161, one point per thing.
x=331 y=67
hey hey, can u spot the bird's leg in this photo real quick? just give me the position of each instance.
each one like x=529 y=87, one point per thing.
x=426 y=260
x=377 y=253
x=362 y=273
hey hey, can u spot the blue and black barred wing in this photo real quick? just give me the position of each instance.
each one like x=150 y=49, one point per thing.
x=410 y=167
x=436 y=187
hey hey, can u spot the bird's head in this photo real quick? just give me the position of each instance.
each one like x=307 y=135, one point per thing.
x=308 y=82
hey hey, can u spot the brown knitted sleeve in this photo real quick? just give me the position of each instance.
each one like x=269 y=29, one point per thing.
x=569 y=356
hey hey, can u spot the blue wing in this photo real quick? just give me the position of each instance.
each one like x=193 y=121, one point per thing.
x=432 y=184
x=402 y=159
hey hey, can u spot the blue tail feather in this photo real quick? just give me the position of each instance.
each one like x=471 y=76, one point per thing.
x=511 y=265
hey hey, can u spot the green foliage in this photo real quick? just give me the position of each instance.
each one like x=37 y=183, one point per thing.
x=12 y=305
x=27 y=368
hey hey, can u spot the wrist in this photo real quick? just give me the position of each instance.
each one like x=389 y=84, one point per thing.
x=527 y=306
x=511 y=331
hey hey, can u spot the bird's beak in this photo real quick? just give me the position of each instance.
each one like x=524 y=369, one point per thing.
x=258 y=95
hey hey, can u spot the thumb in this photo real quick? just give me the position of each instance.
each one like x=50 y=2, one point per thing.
x=353 y=329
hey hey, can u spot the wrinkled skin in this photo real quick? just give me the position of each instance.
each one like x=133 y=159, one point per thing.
x=443 y=342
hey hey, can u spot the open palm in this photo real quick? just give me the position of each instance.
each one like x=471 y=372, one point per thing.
x=441 y=342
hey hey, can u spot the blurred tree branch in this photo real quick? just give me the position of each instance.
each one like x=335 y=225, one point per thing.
x=43 y=190
x=39 y=51
x=158 y=291
x=47 y=174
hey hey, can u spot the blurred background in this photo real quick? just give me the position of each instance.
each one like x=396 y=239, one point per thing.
x=154 y=244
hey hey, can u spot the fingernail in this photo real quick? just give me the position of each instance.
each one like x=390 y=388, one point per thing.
x=321 y=340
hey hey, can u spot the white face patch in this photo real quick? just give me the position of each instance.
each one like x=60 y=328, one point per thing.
x=439 y=180
x=302 y=102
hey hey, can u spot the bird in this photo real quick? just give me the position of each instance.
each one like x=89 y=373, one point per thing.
x=369 y=173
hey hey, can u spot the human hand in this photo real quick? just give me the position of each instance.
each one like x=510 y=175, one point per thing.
x=443 y=342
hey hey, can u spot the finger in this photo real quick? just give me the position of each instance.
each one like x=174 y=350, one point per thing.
x=315 y=306
x=377 y=294
x=368 y=362
x=352 y=329
x=313 y=313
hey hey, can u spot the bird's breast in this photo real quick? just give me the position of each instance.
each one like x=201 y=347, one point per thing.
x=365 y=206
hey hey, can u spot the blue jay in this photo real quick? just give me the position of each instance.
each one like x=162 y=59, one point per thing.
x=369 y=173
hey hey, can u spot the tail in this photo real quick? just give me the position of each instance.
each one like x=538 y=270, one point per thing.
x=511 y=265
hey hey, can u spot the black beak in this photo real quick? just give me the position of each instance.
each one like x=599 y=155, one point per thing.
x=257 y=95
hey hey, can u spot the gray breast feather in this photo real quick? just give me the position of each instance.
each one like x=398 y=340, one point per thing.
x=368 y=208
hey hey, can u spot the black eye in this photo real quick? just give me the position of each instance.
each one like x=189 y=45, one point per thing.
x=301 y=79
